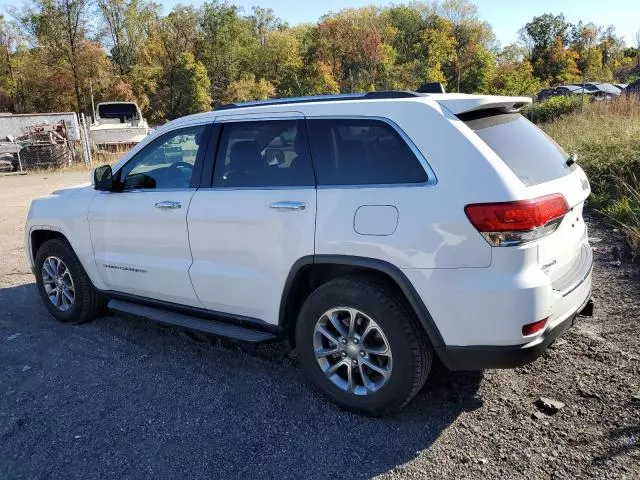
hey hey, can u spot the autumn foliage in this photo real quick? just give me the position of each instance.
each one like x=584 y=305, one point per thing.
x=54 y=53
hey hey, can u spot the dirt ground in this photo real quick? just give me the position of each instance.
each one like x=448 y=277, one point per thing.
x=126 y=398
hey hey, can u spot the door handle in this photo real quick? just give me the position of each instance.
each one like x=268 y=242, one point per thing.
x=168 y=205
x=288 y=205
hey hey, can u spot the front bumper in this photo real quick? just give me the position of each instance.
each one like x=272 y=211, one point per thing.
x=488 y=357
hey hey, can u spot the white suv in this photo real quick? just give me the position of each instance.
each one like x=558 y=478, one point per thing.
x=372 y=231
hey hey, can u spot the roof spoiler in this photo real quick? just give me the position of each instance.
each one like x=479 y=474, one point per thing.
x=434 y=87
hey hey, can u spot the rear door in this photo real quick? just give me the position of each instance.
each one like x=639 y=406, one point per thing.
x=258 y=217
x=544 y=168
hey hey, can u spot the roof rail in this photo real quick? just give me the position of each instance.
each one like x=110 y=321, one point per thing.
x=322 y=98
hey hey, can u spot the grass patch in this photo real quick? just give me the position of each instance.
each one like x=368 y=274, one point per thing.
x=552 y=108
x=606 y=138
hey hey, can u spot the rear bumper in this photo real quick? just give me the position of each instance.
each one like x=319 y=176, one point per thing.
x=487 y=357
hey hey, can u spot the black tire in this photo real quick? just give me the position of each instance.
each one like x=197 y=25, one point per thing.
x=412 y=352
x=88 y=302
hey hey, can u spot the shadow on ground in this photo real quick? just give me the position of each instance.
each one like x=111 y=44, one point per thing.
x=126 y=398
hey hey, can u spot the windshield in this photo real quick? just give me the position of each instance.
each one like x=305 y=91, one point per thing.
x=529 y=152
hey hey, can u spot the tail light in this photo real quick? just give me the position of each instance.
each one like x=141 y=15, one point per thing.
x=535 y=327
x=515 y=223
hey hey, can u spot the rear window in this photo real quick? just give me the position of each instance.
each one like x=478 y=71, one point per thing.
x=117 y=110
x=529 y=152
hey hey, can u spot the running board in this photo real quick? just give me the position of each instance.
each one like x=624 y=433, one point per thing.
x=194 y=323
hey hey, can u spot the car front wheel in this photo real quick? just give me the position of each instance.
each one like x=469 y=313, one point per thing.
x=63 y=284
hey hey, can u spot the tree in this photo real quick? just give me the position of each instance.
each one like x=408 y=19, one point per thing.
x=9 y=100
x=612 y=47
x=543 y=35
x=125 y=24
x=473 y=39
x=438 y=47
x=408 y=30
x=171 y=57
x=514 y=74
x=226 y=47
x=354 y=52
x=247 y=88
x=279 y=61
x=61 y=27
x=584 y=37
x=263 y=22
x=192 y=86
x=560 y=65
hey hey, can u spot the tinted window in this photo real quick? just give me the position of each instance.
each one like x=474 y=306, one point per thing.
x=361 y=152
x=167 y=162
x=263 y=154
x=117 y=110
x=529 y=152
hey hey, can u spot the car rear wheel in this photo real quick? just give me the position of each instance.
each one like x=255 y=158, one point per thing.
x=63 y=284
x=361 y=347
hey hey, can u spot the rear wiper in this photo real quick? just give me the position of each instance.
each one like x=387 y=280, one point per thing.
x=571 y=160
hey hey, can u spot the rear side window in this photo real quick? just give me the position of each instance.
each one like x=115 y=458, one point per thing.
x=529 y=152
x=361 y=152
x=272 y=153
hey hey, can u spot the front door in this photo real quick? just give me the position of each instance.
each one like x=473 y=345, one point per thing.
x=139 y=233
x=258 y=218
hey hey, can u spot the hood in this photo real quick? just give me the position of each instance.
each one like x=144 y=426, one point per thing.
x=71 y=190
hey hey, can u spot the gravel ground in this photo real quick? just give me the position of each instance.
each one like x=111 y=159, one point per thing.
x=126 y=398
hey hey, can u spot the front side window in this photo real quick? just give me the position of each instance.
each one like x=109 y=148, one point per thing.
x=361 y=152
x=168 y=162
x=267 y=153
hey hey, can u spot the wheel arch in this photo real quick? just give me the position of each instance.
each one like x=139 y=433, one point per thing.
x=38 y=236
x=311 y=271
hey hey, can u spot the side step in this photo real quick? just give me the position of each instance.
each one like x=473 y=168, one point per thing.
x=194 y=323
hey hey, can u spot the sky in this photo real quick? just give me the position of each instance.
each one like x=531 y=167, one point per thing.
x=506 y=16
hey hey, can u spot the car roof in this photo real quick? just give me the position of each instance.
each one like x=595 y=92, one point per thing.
x=456 y=103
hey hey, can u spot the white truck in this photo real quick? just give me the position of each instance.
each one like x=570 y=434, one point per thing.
x=372 y=231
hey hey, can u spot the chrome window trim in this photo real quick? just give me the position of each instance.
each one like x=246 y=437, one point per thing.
x=287 y=187
x=432 y=179
x=148 y=190
x=259 y=117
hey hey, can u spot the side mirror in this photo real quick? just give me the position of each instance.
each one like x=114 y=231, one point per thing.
x=103 y=178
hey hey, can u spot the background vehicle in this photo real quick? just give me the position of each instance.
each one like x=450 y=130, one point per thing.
x=118 y=123
x=373 y=231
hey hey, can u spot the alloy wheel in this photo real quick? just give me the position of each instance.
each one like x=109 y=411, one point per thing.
x=58 y=283
x=352 y=351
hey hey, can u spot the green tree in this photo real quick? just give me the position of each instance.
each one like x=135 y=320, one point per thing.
x=264 y=21
x=438 y=48
x=473 y=40
x=279 y=61
x=513 y=74
x=543 y=35
x=584 y=38
x=61 y=27
x=247 y=89
x=125 y=24
x=227 y=46
x=9 y=98
x=192 y=87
